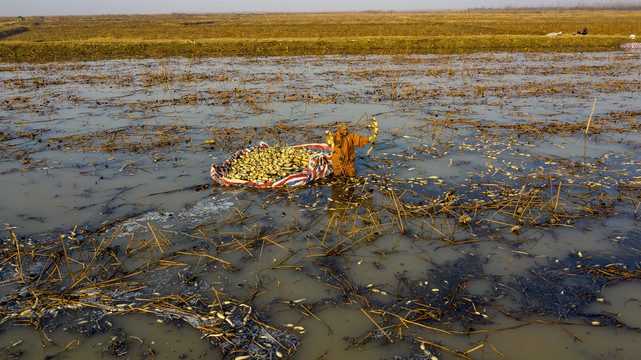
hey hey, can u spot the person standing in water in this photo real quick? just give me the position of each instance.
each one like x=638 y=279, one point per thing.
x=343 y=144
x=343 y=198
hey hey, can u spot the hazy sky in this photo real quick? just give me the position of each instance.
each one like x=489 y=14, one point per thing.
x=96 y=7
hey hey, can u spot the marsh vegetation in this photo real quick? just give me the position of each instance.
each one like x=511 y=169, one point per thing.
x=39 y=39
x=497 y=216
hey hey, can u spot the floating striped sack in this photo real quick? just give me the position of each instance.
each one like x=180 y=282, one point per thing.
x=319 y=166
x=631 y=46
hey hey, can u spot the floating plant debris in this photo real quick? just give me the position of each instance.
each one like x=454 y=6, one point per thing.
x=500 y=199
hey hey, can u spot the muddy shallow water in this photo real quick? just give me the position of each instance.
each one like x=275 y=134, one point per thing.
x=496 y=216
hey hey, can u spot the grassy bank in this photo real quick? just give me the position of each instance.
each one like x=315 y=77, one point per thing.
x=201 y=35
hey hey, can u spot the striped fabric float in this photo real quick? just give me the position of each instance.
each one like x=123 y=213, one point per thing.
x=631 y=46
x=320 y=166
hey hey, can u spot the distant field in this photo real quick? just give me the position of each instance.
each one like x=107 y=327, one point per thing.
x=62 y=38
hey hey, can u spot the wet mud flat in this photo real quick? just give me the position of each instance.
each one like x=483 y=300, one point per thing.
x=496 y=216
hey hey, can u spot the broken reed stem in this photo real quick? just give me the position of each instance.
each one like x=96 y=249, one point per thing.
x=64 y=250
x=87 y=268
x=558 y=192
x=567 y=331
x=155 y=238
x=17 y=244
x=74 y=341
x=590 y=118
x=473 y=349
x=379 y=328
x=444 y=348
x=398 y=211
x=496 y=350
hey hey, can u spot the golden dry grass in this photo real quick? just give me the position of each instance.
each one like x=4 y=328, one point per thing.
x=203 y=35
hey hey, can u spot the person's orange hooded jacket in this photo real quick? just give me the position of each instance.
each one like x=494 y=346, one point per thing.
x=343 y=157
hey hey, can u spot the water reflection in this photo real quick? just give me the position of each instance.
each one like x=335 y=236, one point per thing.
x=345 y=197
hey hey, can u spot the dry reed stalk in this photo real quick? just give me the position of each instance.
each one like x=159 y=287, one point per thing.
x=14 y=239
x=559 y=325
x=556 y=202
x=66 y=257
x=614 y=272
x=441 y=347
x=309 y=312
x=201 y=255
x=404 y=321
x=587 y=127
x=398 y=211
x=434 y=228
x=473 y=349
x=376 y=324
x=495 y=350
